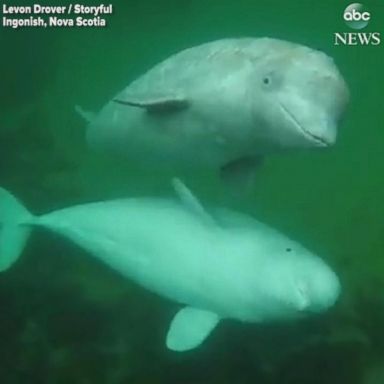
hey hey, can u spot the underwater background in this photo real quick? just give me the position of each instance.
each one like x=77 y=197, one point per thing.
x=66 y=318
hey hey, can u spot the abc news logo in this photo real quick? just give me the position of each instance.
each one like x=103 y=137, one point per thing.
x=356 y=17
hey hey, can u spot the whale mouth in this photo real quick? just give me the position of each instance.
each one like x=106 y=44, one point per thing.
x=320 y=141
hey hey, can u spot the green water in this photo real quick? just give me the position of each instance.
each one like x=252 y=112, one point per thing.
x=65 y=318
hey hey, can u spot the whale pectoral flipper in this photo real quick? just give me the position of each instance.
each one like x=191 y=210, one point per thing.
x=189 y=328
x=241 y=172
x=155 y=102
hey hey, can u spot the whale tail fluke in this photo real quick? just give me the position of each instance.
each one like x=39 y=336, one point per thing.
x=14 y=229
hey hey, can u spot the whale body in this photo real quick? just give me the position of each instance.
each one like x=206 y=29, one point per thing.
x=219 y=265
x=224 y=104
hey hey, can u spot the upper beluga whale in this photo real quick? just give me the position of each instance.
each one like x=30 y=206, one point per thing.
x=224 y=105
x=219 y=264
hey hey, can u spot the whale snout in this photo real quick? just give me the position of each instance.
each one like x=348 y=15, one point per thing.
x=322 y=134
x=322 y=290
x=314 y=131
x=312 y=101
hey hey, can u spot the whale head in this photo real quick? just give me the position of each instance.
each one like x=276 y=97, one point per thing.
x=280 y=278
x=299 y=96
x=299 y=282
x=315 y=286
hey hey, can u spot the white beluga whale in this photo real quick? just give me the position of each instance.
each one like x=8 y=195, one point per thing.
x=224 y=105
x=219 y=265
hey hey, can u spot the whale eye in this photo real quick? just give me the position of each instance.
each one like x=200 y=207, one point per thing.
x=266 y=80
x=288 y=249
x=271 y=80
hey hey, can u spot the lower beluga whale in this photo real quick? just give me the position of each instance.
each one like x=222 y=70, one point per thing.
x=217 y=263
x=224 y=105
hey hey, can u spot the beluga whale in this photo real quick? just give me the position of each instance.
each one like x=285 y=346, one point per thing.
x=218 y=264
x=224 y=105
